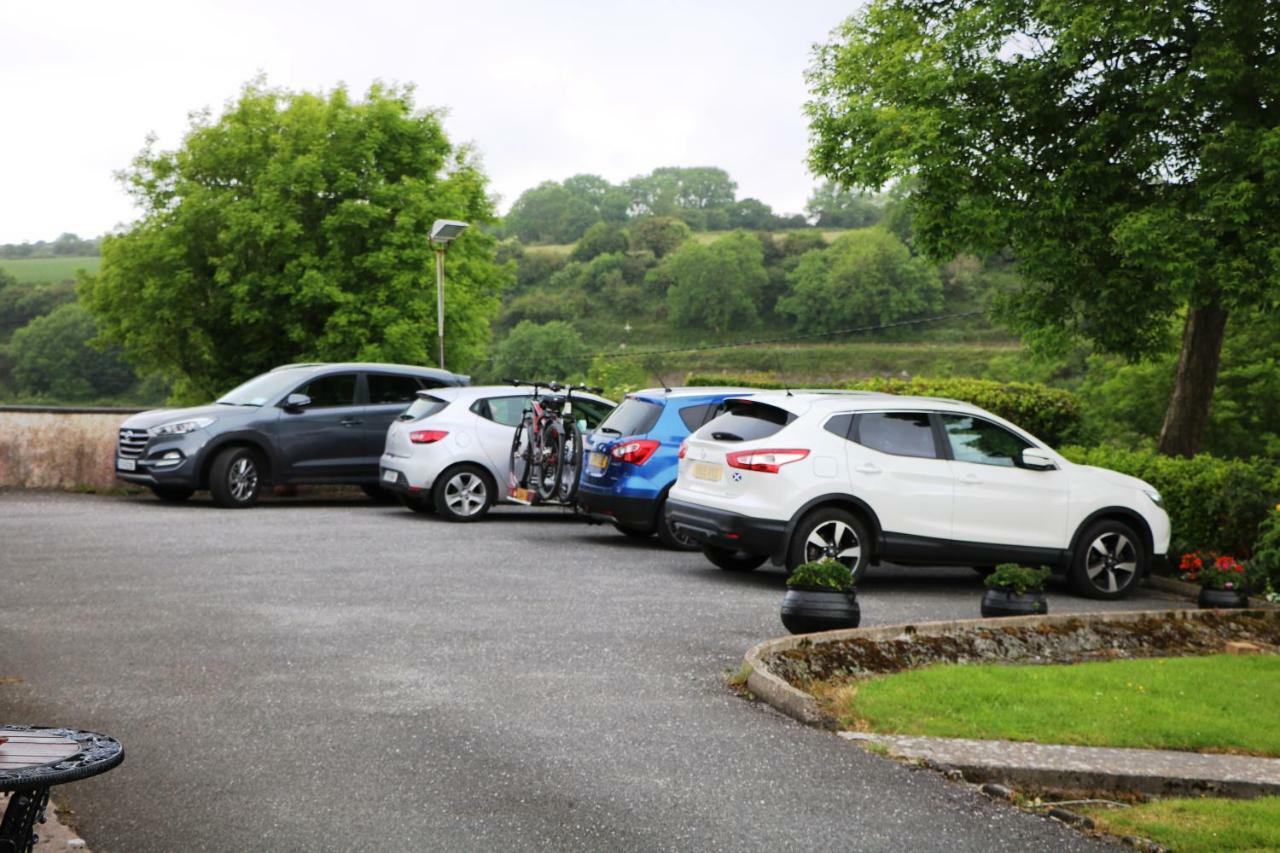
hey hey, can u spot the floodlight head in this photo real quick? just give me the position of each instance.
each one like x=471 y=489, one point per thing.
x=446 y=230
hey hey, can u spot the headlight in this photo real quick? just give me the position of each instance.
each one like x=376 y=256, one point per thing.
x=1155 y=497
x=181 y=427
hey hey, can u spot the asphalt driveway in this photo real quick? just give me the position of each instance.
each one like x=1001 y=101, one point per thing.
x=334 y=675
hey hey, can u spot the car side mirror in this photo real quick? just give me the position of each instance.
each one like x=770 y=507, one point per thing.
x=1038 y=460
x=296 y=402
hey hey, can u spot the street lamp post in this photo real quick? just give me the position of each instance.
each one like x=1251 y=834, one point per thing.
x=443 y=232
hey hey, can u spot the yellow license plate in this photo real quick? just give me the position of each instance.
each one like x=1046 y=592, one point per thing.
x=598 y=460
x=706 y=471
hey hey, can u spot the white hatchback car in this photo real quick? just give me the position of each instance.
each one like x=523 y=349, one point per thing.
x=908 y=480
x=450 y=452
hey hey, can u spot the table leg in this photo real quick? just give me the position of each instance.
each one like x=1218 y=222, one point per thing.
x=17 y=827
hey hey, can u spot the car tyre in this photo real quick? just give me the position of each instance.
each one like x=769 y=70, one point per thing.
x=670 y=537
x=423 y=504
x=1109 y=561
x=734 y=561
x=172 y=494
x=831 y=532
x=236 y=478
x=464 y=493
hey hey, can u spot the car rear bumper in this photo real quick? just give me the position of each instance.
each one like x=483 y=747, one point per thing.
x=725 y=529
x=638 y=513
x=393 y=480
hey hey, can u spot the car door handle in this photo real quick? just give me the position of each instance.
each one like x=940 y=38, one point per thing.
x=867 y=468
x=350 y=422
x=970 y=479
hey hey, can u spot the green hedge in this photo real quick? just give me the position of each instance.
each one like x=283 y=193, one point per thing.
x=1049 y=413
x=1213 y=504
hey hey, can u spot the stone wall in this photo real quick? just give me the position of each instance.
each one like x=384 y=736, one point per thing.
x=58 y=448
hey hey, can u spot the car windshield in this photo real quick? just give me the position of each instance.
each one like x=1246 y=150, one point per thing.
x=261 y=390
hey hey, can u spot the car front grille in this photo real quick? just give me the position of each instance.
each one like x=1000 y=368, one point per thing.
x=132 y=443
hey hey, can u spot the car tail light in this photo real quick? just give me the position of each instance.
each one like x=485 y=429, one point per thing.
x=635 y=452
x=684 y=448
x=427 y=436
x=768 y=461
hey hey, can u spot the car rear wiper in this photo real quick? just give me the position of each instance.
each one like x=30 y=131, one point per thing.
x=608 y=429
x=726 y=436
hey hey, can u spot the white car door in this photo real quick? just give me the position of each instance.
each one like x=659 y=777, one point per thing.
x=895 y=466
x=496 y=420
x=997 y=501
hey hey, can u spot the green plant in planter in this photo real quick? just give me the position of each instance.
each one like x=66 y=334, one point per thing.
x=1020 y=579
x=1264 y=566
x=824 y=574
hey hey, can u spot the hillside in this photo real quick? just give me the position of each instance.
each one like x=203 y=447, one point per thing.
x=29 y=270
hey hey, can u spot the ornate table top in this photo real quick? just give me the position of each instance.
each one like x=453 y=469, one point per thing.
x=40 y=757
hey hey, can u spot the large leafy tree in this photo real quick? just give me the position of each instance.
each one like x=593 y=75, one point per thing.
x=1127 y=153
x=52 y=358
x=670 y=189
x=294 y=227
x=716 y=287
x=864 y=277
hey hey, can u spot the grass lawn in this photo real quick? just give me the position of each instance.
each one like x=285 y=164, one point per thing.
x=1219 y=703
x=1199 y=824
x=29 y=270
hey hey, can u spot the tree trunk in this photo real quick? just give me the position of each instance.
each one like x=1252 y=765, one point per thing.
x=1188 y=413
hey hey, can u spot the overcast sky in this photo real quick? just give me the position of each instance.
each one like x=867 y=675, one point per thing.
x=543 y=89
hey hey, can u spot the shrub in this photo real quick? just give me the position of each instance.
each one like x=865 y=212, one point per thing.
x=1212 y=571
x=827 y=574
x=541 y=352
x=1049 y=413
x=1020 y=579
x=1213 y=504
x=1264 y=567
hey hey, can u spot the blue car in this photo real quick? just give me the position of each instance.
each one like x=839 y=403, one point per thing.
x=631 y=458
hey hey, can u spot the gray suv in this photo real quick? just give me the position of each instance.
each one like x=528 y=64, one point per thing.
x=301 y=423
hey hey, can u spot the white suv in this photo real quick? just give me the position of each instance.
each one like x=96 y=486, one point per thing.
x=909 y=480
x=450 y=452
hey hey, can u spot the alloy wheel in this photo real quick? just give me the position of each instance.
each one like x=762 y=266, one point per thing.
x=242 y=479
x=833 y=540
x=1111 y=562
x=465 y=494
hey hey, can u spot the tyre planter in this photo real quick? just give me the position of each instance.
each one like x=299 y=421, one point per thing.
x=1222 y=599
x=807 y=609
x=1002 y=601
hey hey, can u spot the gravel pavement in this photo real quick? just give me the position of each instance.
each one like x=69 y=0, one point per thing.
x=336 y=675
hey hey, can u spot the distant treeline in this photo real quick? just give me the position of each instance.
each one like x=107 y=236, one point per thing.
x=67 y=245
x=704 y=198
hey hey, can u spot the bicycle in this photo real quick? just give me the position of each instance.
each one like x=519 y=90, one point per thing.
x=546 y=450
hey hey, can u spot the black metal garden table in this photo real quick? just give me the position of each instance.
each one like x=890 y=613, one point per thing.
x=35 y=758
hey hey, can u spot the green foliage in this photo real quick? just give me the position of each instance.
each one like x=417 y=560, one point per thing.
x=291 y=228
x=1264 y=566
x=827 y=574
x=44 y=270
x=52 y=359
x=660 y=235
x=66 y=245
x=546 y=352
x=1049 y=413
x=716 y=287
x=1020 y=579
x=600 y=239
x=671 y=189
x=619 y=376
x=22 y=303
x=865 y=277
x=1197 y=824
x=550 y=213
x=833 y=207
x=1213 y=504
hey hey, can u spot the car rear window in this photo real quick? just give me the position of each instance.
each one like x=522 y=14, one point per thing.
x=633 y=417
x=696 y=416
x=746 y=420
x=424 y=406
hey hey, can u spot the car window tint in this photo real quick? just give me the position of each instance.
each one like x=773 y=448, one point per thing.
x=839 y=425
x=385 y=388
x=503 y=410
x=336 y=390
x=696 y=416
x=632 y=417
x=899 y=433
x=424 y=407
x=746 y=420
x=977 y=440
x=591 y=411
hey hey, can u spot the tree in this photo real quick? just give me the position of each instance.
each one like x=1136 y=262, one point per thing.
x=1128 y=154
x=51 y=357
x=750 y=213
x=22 y=303
x=716 y=287
x=547 y=351
x=830 y=206
x=549 y=213
x=665 y=191
x=600 y=239
x=293 y=228
x=661 y=235
x=865 y=277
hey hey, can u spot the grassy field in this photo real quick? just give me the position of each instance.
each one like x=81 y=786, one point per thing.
x=1198 y=825
x=30 y=270
x=1219 y=703
x=703 y=237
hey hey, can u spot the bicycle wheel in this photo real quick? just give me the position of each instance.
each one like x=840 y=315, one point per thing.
x=549 y=457
x=521 y=457
x=572 y=464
